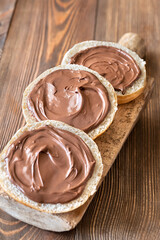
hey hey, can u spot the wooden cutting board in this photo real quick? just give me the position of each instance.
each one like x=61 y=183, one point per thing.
x=109 y=143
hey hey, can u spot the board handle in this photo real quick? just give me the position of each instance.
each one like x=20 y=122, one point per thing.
x=134 y=42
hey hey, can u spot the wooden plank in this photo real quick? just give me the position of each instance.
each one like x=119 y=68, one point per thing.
x=109 y=144
x=40 y=33
x=6 y=11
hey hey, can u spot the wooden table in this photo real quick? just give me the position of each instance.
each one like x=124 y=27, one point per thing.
x=34 y=35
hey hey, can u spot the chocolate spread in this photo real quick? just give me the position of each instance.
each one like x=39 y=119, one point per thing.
x=50 y=165
x=77 y=98
x=117 y=66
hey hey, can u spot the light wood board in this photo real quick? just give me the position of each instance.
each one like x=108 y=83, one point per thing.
x=109 y=143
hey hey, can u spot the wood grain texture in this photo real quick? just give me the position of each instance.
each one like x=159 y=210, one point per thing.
x=127 y=205
x=6 y=11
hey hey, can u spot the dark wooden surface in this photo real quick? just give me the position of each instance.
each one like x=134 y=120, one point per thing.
x=127 y=205
x=6 y=11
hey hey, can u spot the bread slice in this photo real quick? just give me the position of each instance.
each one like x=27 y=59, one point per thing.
x=138 y=86
x=47 y=221
x=89 y=189
x=111 y=93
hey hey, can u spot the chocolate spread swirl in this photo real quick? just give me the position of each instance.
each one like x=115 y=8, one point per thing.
x=50 y=165
x=77 y=98
x=116 y=65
